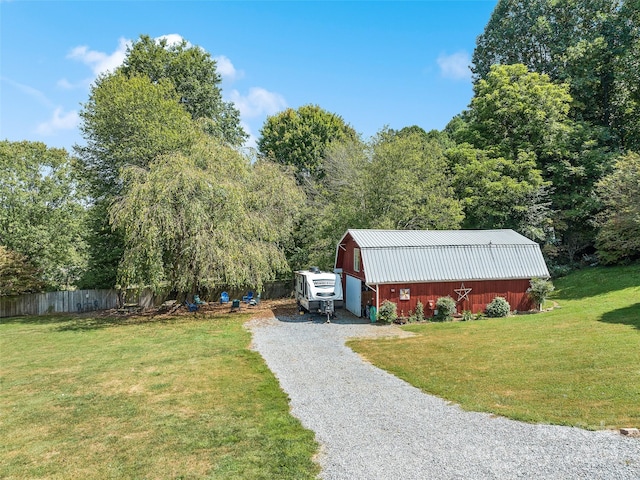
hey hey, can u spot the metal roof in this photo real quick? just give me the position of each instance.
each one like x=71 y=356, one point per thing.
x=430 y=238
x=397 y=256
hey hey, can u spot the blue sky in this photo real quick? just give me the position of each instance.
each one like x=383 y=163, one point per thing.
x=373 y=63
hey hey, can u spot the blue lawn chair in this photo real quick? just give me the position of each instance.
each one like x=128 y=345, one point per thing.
x=191 y=306
x=197 y=301
x=224 y=298
x=248 y=297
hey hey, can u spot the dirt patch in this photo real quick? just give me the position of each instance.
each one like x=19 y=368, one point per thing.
x=264 y=308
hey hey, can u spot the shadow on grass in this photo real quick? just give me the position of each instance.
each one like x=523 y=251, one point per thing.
x=86 y=322
x=39 y=320
x=97 y=323
x=594 y=281
x=627 y=316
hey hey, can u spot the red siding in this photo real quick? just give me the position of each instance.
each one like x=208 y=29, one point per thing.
x=482 y=292
x=345 y=259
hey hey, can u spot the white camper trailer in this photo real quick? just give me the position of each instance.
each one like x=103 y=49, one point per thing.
x=318 y=291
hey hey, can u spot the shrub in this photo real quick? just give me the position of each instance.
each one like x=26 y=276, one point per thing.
x=499 y=307
x=419 y=313
x=558 y=271
x=539 y=291
x=467 y=315
x=446 y=307
x=388 y=312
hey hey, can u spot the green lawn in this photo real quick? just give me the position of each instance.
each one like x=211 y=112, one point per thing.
x=182 y=397
x=576 y=365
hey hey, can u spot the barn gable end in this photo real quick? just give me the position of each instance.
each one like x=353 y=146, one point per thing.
x=472 y=266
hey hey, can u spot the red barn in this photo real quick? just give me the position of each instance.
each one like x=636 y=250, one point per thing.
x=404 y=266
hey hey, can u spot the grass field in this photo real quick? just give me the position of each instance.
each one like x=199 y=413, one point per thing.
x=576 y=365
x=178 y=397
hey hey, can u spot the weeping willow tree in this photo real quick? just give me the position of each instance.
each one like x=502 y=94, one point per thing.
x=205 y=217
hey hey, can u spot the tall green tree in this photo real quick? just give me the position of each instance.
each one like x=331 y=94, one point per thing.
x=193 y=74
x=399 y=179
x=584 y=160
x=105 y=247
x=153 y=105
x=582 y=43
x=42 y=211
x=618 y=239
x=514 y=110
x=411 y=185
x=626 y=97
x=518 y=117
x=205 y=217
x=337 y=202
x=129 y=121
x=500 y=192
x=300 y=138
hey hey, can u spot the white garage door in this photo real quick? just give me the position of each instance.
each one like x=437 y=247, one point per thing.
x=354 y=295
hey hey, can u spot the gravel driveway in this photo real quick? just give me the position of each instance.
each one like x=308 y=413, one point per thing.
x=371 y=425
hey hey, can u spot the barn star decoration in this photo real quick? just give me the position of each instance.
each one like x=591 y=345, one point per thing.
x=463 y=293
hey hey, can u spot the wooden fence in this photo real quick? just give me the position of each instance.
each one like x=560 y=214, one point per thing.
x=58 y=302
x=77 y=301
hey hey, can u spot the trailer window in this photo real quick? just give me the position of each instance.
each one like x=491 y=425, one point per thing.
x=356 y=259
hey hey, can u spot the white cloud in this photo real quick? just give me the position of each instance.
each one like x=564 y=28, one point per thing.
x=172 y=39
x=30 y=91
x=65 y=84
x=258 y=102
x=226 y=69
x=101 y=62
x=455 y=66
x=59 y=121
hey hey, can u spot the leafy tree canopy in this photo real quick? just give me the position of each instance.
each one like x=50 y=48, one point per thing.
x=105 y=248
x=337 y=202
x=42 y=211
x=626 y=89
x=517 y=114
x=411 y=187
x=499 y=192
x=192 y=72
x=618 y=239
x=397 y=180
x=129 y=121
x=300 y=137
x=514 y=110
x=17 y=274
x=586 y=44
x=205 y=217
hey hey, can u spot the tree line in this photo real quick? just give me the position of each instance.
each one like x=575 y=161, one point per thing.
x=161 y=192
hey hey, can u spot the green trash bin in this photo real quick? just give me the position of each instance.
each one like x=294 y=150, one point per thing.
x=373 y=314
